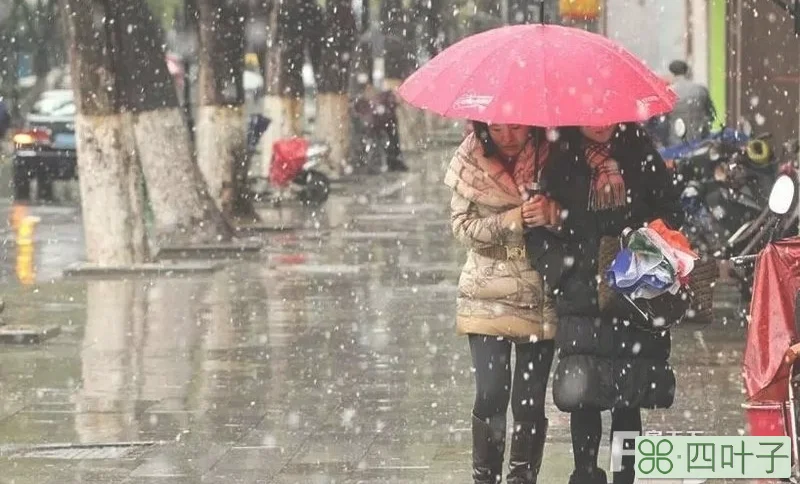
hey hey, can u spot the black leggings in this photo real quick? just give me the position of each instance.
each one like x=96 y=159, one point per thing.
x=587 y=427
x=491 y=358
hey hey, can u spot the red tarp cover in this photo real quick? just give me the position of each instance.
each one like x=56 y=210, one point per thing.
x=772 y=327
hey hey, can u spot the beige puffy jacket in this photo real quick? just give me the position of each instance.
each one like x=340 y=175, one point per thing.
x=498 y=295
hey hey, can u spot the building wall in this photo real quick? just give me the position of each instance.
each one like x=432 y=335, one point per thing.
x=698 y=40
x=762 y=67
x=653 y=30
x=718 y=57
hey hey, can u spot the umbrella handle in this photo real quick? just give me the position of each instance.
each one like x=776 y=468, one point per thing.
x=623 y=239
x=636 y=307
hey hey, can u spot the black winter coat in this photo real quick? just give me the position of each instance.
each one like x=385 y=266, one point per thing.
x=604 y=362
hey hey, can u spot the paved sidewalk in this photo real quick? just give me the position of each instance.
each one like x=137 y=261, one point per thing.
x=330 y=357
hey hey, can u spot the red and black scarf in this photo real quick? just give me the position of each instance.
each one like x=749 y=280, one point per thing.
x=607 y=190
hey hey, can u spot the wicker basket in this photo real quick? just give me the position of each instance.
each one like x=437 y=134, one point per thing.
x=703 y=277
x=701 y=285
x=609 y=247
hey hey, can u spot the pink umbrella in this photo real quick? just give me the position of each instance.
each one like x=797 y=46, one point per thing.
x=539 y=75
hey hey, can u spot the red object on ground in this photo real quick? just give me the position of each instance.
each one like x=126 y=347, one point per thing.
x=288 y=158
x=290 y=258
x=766 y=420
x=539 y=75
x=772 y=328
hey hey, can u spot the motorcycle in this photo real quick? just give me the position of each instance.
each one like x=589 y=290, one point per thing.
x=694 y=161
x=693 y=165
x=722 y=205
x=771 y=361
x=726 y=178
x=292 y=167
x=773 y=175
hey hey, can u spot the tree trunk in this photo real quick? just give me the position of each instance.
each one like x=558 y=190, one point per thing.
x=291 y=28
x=530 y=11
x=428 y=15
x=338 y=48
x=366 y=15
x=222 y=160
x=488 y=15
x=493 y=7
x=111 y=190
x=220 y=117
x=183 y=209
x=256 y=31
x=400 y=62
x=110 y=180
x=399 y=58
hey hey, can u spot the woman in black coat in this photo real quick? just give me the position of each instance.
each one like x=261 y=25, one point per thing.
x=605 y=179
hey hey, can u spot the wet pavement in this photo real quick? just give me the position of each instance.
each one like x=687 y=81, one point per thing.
x=329 y=357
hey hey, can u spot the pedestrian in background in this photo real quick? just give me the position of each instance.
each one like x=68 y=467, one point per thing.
x=694 y=106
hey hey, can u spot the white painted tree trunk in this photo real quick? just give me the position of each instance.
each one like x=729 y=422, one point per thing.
x=286 y=119
x=183 y=210
x=220 y=144
x=111 y=190
x=410 y=121
x=333 y=125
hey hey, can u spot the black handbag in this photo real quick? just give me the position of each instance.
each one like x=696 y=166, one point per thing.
x=657 y=314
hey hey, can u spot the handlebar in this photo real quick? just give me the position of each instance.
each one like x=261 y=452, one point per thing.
x=744 y=259
x=727 y=136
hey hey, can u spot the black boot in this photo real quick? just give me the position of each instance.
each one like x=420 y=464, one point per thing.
x=394 y=155
x=527 y=449
x=488 y=447
x=597 y=476
x=397 y=165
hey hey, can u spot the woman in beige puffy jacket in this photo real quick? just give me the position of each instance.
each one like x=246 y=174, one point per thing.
x=501 y=299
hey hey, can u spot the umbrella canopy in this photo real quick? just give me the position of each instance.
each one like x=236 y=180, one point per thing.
x=538 y=75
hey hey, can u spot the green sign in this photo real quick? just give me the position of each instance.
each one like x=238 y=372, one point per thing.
x=718 y=457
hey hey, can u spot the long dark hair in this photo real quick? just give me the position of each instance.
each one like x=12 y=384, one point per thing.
x=490 y=148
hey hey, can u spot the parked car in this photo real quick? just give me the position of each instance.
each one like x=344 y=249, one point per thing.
x=44 y=149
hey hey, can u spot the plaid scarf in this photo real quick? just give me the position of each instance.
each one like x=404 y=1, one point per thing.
x=489 y=181
x=608 y=186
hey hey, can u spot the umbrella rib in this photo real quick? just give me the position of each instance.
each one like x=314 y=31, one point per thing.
x=547 y=106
